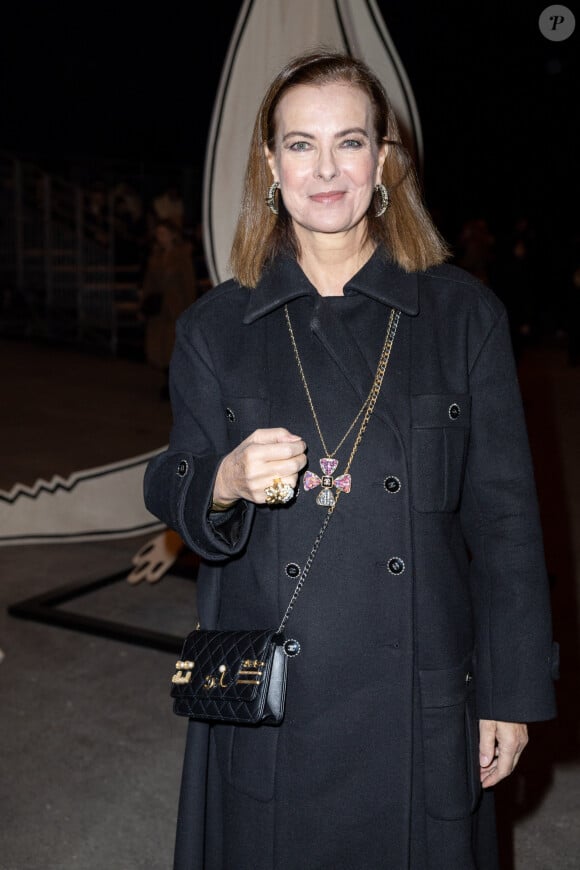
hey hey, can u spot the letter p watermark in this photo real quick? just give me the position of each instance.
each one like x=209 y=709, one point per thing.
x=557 y=23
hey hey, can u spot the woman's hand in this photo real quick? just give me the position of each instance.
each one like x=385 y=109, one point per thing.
x=500 y=747
x=253 y=465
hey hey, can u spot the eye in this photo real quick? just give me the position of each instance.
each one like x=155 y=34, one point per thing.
x=299 y=146
x=352 y=143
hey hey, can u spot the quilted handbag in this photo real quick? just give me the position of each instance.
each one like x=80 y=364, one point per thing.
x=232 y=676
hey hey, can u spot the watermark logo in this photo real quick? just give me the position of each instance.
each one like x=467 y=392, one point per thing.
x=557 y=23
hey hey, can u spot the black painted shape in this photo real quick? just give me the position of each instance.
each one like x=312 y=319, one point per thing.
x=45 y=608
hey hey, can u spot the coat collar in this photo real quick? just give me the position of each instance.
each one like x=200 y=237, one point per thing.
x=380 y=279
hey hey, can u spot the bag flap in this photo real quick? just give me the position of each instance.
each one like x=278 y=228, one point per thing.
x=230 y=665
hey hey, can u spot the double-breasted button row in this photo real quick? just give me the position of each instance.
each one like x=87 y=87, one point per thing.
x=182 y=468
x=392 y=485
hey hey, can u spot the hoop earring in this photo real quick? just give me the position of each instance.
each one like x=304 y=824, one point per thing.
x=384 y=198
x=271 y=197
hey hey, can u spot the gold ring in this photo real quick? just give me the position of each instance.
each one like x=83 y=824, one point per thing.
x=278 y=493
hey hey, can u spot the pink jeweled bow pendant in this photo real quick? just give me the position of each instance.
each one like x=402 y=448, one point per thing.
x=326 y=497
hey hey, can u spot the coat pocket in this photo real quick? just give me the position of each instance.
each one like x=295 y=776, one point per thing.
x=450 y=742
x=439 y=439
x=245 y=414
x=247 y=757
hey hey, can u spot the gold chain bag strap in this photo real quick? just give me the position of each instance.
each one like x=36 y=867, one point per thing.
x=239 y=676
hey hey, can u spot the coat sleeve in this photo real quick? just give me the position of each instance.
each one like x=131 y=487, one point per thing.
x=179 y=482
x=516 y=660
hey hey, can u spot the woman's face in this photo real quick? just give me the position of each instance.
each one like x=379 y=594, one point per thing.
x=326 y=158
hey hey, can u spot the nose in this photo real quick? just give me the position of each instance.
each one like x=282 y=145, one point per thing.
x=326 y=168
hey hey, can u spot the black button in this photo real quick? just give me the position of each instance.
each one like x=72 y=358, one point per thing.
x=392 y=483
x=291 y=647
x=230 y=415
x=182 y=468
x=396 y=565
x=454 y=411
x=292 y=570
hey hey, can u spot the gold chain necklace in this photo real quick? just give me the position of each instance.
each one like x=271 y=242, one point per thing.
x=328 y=463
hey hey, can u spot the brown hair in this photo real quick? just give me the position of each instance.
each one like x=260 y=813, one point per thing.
x=406 y=229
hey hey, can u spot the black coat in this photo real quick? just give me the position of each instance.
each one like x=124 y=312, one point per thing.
x=427 y=606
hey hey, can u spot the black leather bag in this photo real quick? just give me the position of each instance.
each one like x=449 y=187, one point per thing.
x=232 y=676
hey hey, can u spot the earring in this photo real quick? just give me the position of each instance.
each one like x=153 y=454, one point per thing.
x=271 y=198
x=383 y=195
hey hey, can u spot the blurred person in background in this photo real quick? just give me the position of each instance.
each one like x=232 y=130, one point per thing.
x=169 y=287
x=169 y=206
x=475 y=248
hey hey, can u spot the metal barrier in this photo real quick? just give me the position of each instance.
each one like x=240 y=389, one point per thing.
x=59 y=279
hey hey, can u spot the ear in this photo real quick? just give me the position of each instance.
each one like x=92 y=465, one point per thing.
x=382 y=156
x=271 y=158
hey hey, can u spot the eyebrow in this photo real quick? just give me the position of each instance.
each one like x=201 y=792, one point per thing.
x=338 y=135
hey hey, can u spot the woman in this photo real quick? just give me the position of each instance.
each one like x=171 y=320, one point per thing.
x=169 y=287
x=427 y=607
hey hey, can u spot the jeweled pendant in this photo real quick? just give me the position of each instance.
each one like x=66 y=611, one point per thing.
x=325 y=498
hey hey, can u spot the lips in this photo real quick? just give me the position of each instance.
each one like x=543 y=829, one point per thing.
x=328 y=198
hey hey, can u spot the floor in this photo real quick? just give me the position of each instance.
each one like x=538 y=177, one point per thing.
x=90 y=750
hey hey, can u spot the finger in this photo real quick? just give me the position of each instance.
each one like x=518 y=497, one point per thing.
x=512 y=739
x=288 y=470
x=272 y=436
x=259 y=473
x=273 y=452
x=487 y=738
x=258 y=470
x=505 y=763
x=501 y=768
x=291 y=466
x=488 y=777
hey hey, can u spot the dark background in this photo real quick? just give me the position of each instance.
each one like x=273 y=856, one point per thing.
x=498 y=102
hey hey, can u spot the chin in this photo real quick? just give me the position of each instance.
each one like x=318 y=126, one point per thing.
x=331 y=225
